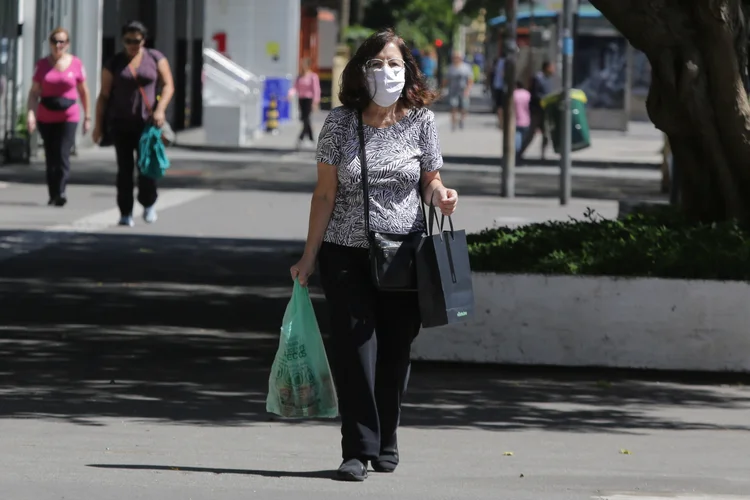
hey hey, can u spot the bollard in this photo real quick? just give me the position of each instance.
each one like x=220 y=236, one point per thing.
x=272 y=116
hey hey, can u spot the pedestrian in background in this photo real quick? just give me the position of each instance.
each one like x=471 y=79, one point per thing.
x=521 y=101
x=541 y=85
x=429 y=67
x=499 y=88
x=307 y=88
x=58 y=82
x=129 y=97
x=384 y=96
x=459 y=79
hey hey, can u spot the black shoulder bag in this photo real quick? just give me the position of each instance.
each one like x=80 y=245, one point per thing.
x=392 y=256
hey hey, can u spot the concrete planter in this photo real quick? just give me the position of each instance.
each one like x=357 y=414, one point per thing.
x=600 y=321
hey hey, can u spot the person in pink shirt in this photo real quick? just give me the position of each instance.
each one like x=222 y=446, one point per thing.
x=58 y=81
x=521 y=101
x=307 y=88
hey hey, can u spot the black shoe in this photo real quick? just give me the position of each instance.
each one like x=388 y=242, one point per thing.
x=352 y=470
x=60 y=201
x=386 y=462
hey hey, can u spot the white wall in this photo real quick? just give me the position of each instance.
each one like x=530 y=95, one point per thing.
x=166 y=39
x=250 y=25
x=599 y=321
x=86 y=42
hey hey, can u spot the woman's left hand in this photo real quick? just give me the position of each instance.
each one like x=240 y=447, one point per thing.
x=447 y=200
x=159 y=118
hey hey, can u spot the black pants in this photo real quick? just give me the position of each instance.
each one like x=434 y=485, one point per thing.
x=537 y=123
x=372 y=333
x=126 y=146
x=58 y=141
x=305 y=110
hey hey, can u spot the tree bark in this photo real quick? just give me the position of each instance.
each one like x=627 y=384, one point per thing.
x=698 y=53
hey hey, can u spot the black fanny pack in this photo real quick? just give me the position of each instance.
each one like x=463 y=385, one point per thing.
x=57 y=103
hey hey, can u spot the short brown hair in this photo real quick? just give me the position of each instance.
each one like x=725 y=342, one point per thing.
x=57 y=31
x=354 y=93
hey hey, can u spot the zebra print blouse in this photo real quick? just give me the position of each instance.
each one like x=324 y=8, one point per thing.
x=396 y=157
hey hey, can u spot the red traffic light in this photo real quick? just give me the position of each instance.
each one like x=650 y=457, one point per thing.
x=438 y=43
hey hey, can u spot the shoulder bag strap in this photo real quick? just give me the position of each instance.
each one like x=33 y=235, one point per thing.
x=363 y=164
x=143 y=92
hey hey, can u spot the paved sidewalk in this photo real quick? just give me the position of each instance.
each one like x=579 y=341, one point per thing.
x=134 y=362
x=481 y=141
x=537 y=187
x=135 y=365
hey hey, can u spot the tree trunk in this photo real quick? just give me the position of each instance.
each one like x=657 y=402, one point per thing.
x=697 y=50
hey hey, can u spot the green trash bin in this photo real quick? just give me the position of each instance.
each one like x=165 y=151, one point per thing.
x=552 y=105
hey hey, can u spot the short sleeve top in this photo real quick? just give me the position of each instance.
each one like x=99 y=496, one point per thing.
x=458 y=78
x=56 y=83
x=125 y=98
x=396 y=158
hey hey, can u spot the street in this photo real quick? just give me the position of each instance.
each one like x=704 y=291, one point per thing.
x=134 y=361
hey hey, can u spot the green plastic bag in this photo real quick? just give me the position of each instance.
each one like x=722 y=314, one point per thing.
x=301 y=385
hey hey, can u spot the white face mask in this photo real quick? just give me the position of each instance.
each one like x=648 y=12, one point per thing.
x=385 y=85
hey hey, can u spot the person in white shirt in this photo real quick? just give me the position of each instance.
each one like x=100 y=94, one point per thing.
x=459 y=81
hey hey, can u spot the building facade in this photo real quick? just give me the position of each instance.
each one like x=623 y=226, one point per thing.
x=259 y=35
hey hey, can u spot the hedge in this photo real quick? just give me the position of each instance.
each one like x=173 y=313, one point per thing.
x=654 y=243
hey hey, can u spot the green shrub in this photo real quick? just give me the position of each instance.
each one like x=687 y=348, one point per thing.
x=22 y=129
x=656 y=243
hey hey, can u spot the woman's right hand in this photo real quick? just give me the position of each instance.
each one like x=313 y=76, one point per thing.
x=31 y=122
x=303 y=269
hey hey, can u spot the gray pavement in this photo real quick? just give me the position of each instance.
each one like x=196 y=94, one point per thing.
x=480 y=142
x=134 y=362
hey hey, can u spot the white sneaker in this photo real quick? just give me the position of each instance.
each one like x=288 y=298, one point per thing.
x=126 y=220
x=149 y=214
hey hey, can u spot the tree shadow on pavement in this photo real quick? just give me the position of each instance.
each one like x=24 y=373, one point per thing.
x=184 y=330
x=299 y=177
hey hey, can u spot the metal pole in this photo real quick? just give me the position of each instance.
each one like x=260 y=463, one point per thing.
x=508 y=188
x=565 y=125
x=532 y=29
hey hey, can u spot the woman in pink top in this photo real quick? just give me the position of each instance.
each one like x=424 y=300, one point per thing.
x=521 y=100
x=59 y=80
x=307 y=87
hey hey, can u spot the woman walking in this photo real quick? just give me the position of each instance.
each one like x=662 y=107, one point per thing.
x=307 y=87
x=521 y=100
x=128 y=98
x=372 y=330
x=59 y=80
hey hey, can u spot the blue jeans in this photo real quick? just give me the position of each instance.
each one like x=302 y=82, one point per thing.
x=520 y=134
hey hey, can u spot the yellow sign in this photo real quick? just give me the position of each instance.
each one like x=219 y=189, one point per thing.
x=273 y=49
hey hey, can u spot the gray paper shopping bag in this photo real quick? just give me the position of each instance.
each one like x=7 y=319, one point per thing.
x=446 y=293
